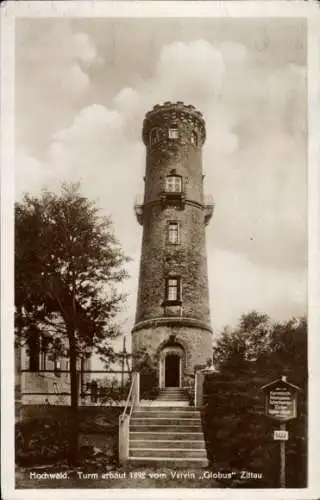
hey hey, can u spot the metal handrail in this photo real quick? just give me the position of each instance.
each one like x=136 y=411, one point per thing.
x=139 y=200
x=133 y=403
x=208 y=200
x=128 y=399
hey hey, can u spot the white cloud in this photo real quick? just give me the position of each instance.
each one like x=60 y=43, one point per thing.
x=69 y=81
x=94 y=150
x=52 y=76
x=238 y=286
x=84 y=49
x=127 y=100
x=93 y=123
x=59 y=61
x=253 y=159
x=195 y=70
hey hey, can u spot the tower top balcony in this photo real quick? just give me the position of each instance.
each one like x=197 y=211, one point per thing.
x=174 y=114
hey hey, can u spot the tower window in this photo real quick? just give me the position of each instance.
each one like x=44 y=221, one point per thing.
x=194 y=138
x=174 y=232
x=173 y=132
x=174 y=184
x=154 y=136
x=173 y=289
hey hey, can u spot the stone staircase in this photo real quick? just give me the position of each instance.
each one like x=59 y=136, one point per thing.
x=169 y=435
x=172 y=394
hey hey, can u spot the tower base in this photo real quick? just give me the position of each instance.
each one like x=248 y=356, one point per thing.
x=177 y=347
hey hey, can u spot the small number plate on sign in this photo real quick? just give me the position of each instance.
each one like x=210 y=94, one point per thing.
x=281 y=435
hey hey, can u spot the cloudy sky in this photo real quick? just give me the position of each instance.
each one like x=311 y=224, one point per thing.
x=82 y=89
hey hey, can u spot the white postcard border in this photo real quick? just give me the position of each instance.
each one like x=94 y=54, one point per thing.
x=12 y=10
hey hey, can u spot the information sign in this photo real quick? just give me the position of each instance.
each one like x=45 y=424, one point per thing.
x=281 y=403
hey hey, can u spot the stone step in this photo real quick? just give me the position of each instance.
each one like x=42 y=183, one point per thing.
x=167 y=444
x=174 y=390
x=171 y=409
x=169 y=393
x=172 y=463
x=156 y=420
x=169 y=453
x=175 y=397
x=166 y=414
x=165 y=427
x=172 y=398
x=170 y=404
x=173 y=393
x=167 y=435
x=156 y=436
x=170 y=390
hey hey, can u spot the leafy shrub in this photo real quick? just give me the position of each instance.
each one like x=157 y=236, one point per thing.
x=147 y=366
x=189 y=387
x=114 y=394
x=237 y=432
x=41 y=441
x=46 y=440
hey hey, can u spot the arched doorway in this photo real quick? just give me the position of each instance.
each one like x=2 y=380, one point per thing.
x=172 y=370
x=171 y=363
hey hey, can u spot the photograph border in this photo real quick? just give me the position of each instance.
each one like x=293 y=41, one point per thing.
x=165 y=9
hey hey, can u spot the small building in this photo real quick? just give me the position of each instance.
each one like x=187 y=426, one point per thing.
x=43 y=377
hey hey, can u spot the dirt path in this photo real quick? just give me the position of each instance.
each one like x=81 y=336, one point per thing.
x=118 y=478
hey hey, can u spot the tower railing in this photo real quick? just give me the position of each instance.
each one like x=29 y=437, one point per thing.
x=208 y=208
x=139 y=199
x=124 y=419
x=138 y=208
x=208 y=200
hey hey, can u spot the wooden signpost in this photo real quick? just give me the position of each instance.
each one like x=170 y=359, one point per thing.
x=281 y=405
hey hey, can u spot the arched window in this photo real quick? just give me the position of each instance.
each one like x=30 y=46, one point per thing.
x=154 y=136
x=173 y=232
x=173 y=184
x=194 y=138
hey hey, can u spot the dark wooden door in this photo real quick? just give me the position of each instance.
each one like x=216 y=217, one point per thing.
x=172 y=367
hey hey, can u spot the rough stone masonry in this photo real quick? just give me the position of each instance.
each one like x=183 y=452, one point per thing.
x=172 y=317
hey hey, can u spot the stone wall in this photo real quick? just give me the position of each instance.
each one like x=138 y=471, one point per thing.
x=159 y=259
x=48 y=385
x=197 y=342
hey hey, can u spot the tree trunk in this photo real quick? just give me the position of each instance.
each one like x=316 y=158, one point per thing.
x=74 y=413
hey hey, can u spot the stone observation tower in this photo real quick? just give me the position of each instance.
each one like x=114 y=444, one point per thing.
x=172 y=318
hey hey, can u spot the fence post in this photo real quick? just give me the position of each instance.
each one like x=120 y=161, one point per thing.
x=198 y=392
x=123 y=439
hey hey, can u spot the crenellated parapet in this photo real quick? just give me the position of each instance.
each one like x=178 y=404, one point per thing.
x=175 y=123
